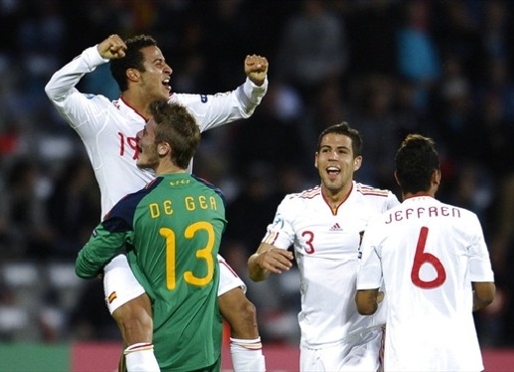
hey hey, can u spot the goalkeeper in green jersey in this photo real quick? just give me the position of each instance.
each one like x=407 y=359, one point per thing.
x=173 y=228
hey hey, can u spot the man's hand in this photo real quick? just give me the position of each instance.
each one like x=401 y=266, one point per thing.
x=112 y=48
x=275 y=260
x=256 y=68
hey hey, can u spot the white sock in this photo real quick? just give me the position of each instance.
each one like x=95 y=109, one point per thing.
x=140 y=358
x=247 y=355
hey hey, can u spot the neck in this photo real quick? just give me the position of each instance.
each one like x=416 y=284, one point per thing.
x=137 y=102
x=418 y=194
x=336 y=197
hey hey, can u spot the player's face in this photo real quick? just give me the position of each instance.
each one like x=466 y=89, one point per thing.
x=148 y=157
x=155 y=81
x=335 y=162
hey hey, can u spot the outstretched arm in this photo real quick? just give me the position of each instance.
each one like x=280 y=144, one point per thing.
x=75 y=107
x=213 y=110
x=268 y=259
x=62 y=83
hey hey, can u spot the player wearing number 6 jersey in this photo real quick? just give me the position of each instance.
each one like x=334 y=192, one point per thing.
x=108 y=130
x=323 y=225
x=434 y=263
x=174 y=227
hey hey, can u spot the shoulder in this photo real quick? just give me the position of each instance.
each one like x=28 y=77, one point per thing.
x=368 y=190
x=303 y=196
x=210 y=187
x=294 y=202
x=100 y=99
x=462 y=213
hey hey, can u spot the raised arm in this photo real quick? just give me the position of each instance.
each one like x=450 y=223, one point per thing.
x=212 y=110
x=61 y=89
x=268 y=259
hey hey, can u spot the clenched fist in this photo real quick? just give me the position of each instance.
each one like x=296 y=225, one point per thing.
x=112 y=48
x=256 y=68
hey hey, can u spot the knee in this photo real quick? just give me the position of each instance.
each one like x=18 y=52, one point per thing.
x=247 y=310
x=237 y=309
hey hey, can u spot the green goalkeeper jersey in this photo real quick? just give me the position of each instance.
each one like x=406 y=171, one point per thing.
x=173 y=229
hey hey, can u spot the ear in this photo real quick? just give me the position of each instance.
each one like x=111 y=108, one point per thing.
x=436 y=180
x=436 y=177
x=316 y=154
x=163 y=148
x=357 y=162
x=133 y=74
x=396 y=177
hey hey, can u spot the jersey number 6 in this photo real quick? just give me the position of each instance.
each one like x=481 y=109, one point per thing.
x=421 y=258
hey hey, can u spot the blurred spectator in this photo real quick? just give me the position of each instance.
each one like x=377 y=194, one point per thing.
x=73 y=208
x=417 y=53
x=28 y=234
x=312 y=48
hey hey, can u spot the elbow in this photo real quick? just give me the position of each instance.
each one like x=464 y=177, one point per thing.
x=50 y=91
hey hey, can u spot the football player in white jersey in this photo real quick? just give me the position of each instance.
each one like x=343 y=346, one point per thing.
x=434 y=263
x=324 y=225
x=108 y=131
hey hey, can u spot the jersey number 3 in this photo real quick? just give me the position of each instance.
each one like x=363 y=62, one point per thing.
x=204 y=253
x=421 y=258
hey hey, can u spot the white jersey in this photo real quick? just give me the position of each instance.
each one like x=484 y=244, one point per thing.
x=108 y=128
x=326 y=245
x=427 y=253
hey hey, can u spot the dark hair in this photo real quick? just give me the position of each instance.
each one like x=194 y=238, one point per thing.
x=178 y=127
x=133 y=59
x=344 y=129
x=416 y=160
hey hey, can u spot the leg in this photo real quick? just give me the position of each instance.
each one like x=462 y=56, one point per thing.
x=134 y=319
x=240 y=314
x=130 y=307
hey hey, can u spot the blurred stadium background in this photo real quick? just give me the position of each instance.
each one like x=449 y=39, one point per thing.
x=388 y=67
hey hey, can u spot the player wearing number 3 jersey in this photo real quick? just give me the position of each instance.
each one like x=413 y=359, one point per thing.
x=173 y=227
x=323 y=225
x=434 y=263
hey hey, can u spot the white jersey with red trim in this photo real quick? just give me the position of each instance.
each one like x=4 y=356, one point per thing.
x=427 y=254
x=108 y=128
x=326 y=245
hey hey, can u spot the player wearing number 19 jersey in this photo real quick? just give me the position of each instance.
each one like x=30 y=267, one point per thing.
x=108 y=130
x=431 y=258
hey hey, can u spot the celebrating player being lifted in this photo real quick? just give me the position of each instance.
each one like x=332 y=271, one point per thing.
x=324 y=224
x=108 y=128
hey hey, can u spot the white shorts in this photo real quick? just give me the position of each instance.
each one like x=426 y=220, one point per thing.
x=359 y=352
x=121 y=286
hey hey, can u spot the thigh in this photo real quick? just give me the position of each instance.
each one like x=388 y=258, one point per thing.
x=120 y=284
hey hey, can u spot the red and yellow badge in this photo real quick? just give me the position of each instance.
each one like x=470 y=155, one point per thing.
x=112 y=297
